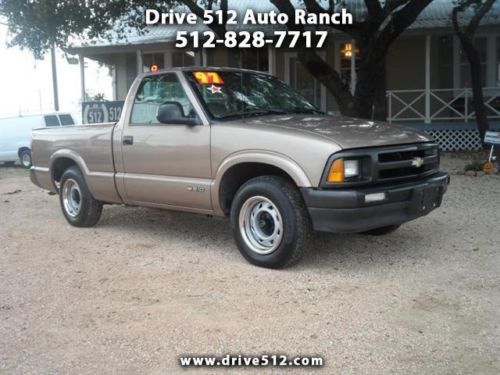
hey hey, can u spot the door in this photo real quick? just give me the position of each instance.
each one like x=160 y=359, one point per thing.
x=165 y=164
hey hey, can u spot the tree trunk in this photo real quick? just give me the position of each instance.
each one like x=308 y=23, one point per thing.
x=477 y=84
x=370 y=94
x=328 y=77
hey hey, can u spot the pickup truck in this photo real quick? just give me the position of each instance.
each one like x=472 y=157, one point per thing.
x=242 y=144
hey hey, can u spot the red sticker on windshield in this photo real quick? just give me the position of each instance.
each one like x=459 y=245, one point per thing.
x=208 y=78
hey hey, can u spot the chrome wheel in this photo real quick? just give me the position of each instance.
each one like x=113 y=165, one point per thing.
x=26 y=160
x=261 y=225
x=72 y=197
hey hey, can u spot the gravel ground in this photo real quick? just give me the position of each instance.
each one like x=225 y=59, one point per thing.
x=145 y=286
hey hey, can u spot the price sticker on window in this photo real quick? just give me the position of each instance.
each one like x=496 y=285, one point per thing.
x=208 y=78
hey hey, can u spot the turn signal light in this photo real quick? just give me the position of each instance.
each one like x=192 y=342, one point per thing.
x=336 y=173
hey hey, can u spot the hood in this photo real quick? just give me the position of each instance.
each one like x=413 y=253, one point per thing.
x=345 y=131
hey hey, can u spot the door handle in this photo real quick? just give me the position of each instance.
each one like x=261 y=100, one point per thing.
x=128 y=140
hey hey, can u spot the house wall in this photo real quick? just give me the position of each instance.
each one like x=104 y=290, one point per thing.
x=121 y=76
x=405 y=65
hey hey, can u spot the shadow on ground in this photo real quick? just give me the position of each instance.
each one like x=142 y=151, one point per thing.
x=327 y=250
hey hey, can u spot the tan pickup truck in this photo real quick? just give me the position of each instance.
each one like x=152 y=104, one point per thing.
x=242 y=144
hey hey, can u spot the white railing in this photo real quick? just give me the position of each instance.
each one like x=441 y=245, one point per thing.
x=439 y=105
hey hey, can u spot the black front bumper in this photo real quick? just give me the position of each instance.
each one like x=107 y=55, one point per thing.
x=346 y=210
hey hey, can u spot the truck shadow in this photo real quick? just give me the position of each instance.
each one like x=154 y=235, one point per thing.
x=213 y=234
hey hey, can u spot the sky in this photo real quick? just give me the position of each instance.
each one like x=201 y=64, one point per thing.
x=26 y=83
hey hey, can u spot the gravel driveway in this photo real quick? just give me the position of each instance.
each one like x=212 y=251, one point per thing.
x=145 y=286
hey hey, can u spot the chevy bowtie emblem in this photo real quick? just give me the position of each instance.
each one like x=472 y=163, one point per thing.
x=417 y=162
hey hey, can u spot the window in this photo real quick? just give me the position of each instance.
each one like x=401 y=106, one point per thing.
x=183 y=58
x=346 y=54
x=153 y=92
x=445 y=64
x=304 y=82
x=152 y=61
x=465 y=80
x=66 y=120
x=52 y=120
x=254 y=59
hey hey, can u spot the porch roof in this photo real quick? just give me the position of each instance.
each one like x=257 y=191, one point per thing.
x=436 y=16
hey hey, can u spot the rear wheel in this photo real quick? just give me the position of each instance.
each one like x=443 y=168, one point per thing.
x=79 y=206
x=382 y=230
x=25 y=158
x=9 y=163
x=270 y=222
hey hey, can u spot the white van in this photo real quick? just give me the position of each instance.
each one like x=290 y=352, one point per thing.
x=15 y=134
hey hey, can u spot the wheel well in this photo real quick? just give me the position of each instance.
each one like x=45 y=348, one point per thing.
x=59 y=166
x=238 y=174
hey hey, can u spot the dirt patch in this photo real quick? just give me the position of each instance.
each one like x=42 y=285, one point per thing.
x=145 y=286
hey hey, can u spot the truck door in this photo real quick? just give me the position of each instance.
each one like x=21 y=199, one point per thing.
x=164 y=164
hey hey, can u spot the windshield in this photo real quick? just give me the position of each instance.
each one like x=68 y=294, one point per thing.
x=229 y=94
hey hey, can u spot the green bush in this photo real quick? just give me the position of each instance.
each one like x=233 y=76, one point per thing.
x=475 y=165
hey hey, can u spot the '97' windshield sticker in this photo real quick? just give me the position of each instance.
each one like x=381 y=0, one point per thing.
x=208 y=78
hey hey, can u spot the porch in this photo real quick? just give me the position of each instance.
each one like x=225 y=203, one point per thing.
x=446 y=114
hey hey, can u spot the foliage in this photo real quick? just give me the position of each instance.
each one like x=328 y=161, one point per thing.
x=475 y=165
x=99 y=97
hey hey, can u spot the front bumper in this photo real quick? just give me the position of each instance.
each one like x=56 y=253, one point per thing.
x=346 y=210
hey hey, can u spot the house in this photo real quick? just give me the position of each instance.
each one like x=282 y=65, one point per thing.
x=428 y=76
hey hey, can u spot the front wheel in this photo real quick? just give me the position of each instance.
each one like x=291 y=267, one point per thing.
x=79 y=206
x=270 y=222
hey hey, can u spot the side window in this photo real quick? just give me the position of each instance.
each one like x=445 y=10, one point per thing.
x=66 y=120
x=51 y=120
x=153 y=92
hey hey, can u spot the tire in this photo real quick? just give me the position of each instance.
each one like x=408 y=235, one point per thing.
x=25 y=158
x=78 y=206
x=9 y=163
x=382 y=230
x=270 y=222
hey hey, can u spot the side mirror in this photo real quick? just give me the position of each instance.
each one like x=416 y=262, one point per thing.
x=173 y=113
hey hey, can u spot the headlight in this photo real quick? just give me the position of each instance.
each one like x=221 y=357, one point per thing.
x=342 y=169
x=351 y=168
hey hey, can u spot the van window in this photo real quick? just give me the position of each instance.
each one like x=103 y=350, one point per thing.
x=66 y=120
x=51 y=120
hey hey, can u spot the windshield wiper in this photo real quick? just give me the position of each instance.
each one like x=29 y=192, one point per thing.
x=257 y=112
x=307 y=111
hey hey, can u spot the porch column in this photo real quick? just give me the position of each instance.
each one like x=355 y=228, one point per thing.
x=204 y=57
x=114 y=82
x=82 y=76
x=139 y=62
x=271 y=55
x=427 y=79
x=354 y=77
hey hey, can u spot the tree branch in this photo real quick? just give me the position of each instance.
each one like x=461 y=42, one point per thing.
x=401 y=20
x=353 y=30
x=374 y=8
x=474 y=22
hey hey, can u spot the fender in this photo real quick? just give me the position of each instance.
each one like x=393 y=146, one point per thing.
x=257 y=156
x=101 y=184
